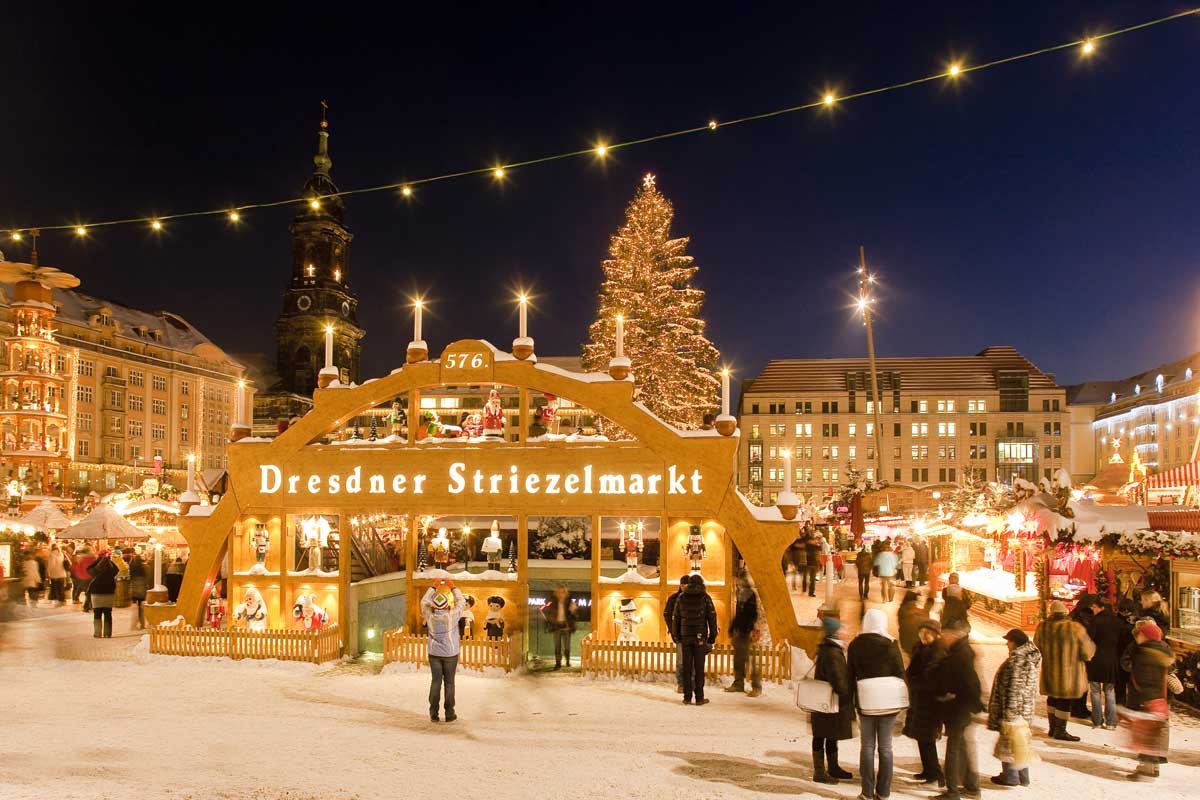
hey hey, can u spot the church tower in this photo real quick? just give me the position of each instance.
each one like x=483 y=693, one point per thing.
x=319 y=292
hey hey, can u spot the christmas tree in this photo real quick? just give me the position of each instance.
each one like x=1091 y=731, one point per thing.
x=648 y=280
x=512 y=558
x=374 y=428
x=422 y=556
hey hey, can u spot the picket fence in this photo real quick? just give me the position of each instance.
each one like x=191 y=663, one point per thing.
x=183 y=640
x=478 y=654
x=610 y=659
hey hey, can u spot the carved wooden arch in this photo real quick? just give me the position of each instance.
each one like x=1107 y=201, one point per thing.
x=761 y=539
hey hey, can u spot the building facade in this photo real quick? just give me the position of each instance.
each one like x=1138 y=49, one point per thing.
x=118 y=389
x=994 y=415
x=1155 y=413
x=317 y=297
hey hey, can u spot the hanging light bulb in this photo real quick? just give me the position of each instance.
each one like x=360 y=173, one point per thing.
x=829 y=99
x=406 y=191
x=314 y=204
x=498 y=173
x=80 y=230
x=156 y=224
x=954 y=70
x=602 y=150
x=16 y=236
x=234 y=216
x=1089 y=46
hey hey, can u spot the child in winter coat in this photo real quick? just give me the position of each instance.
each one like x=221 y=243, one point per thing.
x=1148 y=661
x=1010 y=708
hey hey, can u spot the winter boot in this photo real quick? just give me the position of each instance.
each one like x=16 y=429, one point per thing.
x=754 y=692
x=836 y=771
x=1062 y=734
x=819 y=773
x=97 y=628
x=735 y=687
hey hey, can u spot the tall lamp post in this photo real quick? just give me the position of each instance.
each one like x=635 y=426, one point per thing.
x=864 y=305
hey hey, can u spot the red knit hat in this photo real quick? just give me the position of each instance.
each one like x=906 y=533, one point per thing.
x=1151 y=632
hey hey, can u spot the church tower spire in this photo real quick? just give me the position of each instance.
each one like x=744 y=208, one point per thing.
x=319 y=291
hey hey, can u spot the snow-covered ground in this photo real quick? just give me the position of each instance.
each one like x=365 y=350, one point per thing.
x=88 y=719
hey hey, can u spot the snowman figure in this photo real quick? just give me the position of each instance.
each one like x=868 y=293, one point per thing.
x=439 y=547
x=695 y=547
x=310 y=615
x=493 y=416
x=252 y=611
x=628 y=621
x=492 y=547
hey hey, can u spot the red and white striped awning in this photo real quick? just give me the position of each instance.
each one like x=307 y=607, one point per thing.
x=1187 y=475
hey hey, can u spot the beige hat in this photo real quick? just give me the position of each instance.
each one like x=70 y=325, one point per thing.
x=1058 y=607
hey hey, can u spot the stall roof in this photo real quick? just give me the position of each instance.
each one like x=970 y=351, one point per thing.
x=105 y=522
x=46 y=516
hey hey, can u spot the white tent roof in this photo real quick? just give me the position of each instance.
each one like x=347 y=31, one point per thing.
x=104 y=523
x=46 y=516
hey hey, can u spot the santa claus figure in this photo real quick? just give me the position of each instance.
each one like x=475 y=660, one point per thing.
x=628 y=621
x=260 y=543
x=310 y=615
x=695 y=547
x=493 y=416
x=439 y=548
x=252 y=611
x=549 y=415
x=633 y=546
x=493 y=548
x=473 y=425
x=214 y=613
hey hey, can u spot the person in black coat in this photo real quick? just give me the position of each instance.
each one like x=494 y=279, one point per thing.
x=924 y=720
x=828 y=729
x=560 y=615
x=959 y=696
x=103 y=592
x=1109 y=632
x=743 y=629
x=694 y=625
x=921 y=562
x=812 y=562
x=669 y=621
x=954 y=606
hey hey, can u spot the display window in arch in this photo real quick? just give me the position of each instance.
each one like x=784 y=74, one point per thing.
x=467 y=547
x=630 y=549
x=554 y=540
x=316 y=544
x=382 y=540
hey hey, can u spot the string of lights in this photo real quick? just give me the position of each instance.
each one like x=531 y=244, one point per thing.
x=498 y=172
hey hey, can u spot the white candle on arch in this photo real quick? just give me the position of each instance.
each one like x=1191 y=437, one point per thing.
x=620 y=335
x=417 y=307
x=524 y=324
x=725 y=392
x=328 y=347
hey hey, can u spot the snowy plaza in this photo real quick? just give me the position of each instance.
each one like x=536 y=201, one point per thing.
x=99 y=720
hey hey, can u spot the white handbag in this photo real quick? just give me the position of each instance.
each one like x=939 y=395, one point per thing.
x=812 y=695
x=878 y=697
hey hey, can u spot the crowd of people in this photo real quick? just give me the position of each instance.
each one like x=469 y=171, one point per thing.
x=96 y=580
x=1114 y=655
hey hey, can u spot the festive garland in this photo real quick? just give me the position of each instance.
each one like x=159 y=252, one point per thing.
x=993 y=605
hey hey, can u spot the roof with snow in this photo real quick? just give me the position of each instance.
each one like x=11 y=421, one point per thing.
x=1099 y=392
x=160 y=328
x=938 y=373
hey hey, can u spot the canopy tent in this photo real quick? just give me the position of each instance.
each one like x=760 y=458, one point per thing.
x=46 y=516
x=1177 y=478
x=104 y=523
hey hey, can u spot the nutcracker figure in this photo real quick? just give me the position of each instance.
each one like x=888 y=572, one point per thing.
x=397 y=419
x=314 y=534
x=439 y=548
x=493 y=548
x=633 y=545
x=695 y=547
x=628 y=621
x=493 y=416
x=260 y=543
x=252 y=611
x=466 y=623
x=214 y=614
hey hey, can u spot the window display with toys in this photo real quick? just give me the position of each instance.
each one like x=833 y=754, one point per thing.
x=630 y=548
x=466 y=547
x=316 y=545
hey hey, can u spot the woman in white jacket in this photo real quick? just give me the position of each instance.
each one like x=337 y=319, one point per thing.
x=441 y=626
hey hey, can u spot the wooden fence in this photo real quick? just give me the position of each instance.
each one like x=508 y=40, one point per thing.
x=637 y=659
x=285 y=645
x=506 y=654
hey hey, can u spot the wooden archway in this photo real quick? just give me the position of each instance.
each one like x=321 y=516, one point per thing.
x=760 y=534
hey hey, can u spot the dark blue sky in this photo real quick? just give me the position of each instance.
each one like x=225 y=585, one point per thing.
x=1049 y=204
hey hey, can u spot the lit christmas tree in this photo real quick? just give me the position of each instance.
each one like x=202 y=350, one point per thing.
x=374 y=428
x=512 y=558
x=648 y=279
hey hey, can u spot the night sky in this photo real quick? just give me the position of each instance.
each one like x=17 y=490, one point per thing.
x=1049 y=204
